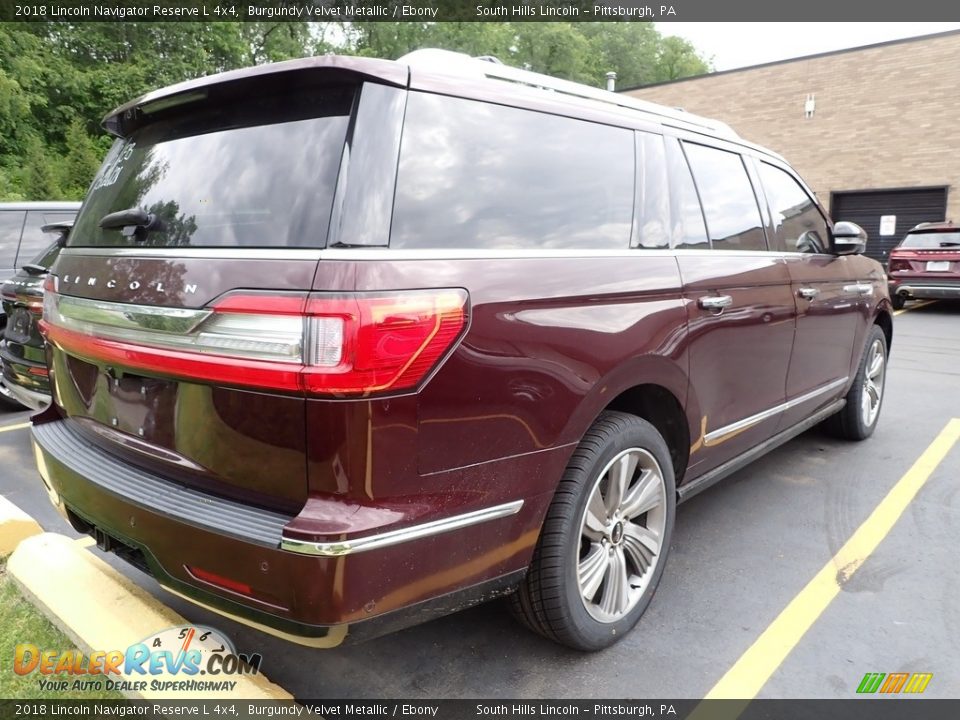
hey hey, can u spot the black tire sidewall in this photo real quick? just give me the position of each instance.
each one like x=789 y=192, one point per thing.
x=860 y=428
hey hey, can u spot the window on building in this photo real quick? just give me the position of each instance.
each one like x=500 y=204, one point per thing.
x=729 y=205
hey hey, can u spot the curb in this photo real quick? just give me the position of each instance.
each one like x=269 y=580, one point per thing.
x=15 y=525
x=100 y=609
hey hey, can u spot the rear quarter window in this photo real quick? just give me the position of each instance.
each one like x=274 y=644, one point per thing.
x=479 y=175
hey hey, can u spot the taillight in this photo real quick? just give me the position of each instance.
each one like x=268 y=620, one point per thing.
x=318 y=344
x=897 y=264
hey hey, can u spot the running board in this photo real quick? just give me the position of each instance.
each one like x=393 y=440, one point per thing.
x=688 y=490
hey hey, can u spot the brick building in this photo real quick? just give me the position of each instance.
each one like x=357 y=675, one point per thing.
x=874 y=130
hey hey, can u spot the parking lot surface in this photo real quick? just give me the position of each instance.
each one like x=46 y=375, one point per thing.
x=742 y=551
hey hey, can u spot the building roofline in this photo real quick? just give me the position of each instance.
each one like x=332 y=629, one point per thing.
x=815 y=56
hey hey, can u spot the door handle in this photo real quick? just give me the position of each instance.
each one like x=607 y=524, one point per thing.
x=808 y=293
x=715 y=302
x=859 y=289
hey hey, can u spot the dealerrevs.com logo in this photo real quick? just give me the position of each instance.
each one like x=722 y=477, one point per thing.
x=894 y=683
x=186 y=658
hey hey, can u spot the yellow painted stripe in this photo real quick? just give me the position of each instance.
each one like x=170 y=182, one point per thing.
x=85 y=541
x=751 y=672
x=18 y=426
x=915 y=306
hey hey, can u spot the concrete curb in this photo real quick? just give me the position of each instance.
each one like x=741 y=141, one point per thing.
x=15 y=525
x=100 y=610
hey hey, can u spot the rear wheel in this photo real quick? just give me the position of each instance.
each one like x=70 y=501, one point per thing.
x=605 y=539
x=858 y=418
x=898 y=301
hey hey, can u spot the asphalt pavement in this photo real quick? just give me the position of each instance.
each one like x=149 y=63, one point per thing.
x=742 y=551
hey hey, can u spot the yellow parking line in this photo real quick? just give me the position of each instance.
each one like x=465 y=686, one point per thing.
x=915 y=306
x=18 y=426
x=751 y=672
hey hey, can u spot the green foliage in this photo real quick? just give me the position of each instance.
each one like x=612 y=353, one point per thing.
x=57 y=80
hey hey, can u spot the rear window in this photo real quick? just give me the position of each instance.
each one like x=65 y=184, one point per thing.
x=34 y=239
x=255 y=173
x=478 y=175
x=931 y=240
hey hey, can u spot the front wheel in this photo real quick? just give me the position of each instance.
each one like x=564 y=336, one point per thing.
x=858 y=418
x=605 y=539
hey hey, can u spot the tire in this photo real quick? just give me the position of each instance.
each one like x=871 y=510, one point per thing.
x=898 y=301
x=857 y=420
x=594 y=573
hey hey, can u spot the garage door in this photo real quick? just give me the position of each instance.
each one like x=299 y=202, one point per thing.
x=907 y=208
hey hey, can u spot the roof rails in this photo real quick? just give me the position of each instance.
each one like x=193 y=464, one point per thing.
x=490 y=67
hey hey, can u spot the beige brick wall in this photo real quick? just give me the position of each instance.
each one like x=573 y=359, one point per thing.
x=886 y=117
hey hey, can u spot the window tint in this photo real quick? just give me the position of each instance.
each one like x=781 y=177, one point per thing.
x=729 y=205
x=479 y=175
x=653 y=197
x=926 y=241
x=798 y=224
x=11 y=223
x=259 y=171
x=686 y=217
x=34 y=239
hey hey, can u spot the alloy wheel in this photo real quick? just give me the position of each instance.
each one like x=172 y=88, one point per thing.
x=620 y=535
x=873 y=379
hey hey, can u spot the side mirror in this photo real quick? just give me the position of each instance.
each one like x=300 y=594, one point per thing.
x=849 y=238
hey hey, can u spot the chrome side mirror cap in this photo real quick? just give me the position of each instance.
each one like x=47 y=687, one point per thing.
x=849 y=238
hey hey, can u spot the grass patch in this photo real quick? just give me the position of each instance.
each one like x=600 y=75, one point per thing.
x=21 y=622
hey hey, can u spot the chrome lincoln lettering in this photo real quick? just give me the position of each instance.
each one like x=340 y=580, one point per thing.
x=91 y=281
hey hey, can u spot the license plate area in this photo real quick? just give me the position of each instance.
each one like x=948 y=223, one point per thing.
x=938 y=266
x=18 y=326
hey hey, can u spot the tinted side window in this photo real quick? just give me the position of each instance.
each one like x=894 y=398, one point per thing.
x=798 y=224
x=11 y=223
x=34 y=240
x=686 y=216
x=477 y=175
x=729 y=205
x=653 y=192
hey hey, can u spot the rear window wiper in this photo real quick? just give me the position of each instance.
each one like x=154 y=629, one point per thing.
x=133 y=223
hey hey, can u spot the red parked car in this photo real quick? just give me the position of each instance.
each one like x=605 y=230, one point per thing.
x=338 y=345
x=926 y=264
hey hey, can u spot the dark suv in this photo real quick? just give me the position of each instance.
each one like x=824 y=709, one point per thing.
x=341 y=344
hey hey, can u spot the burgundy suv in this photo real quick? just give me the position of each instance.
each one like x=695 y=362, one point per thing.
x=926 y=264
x=338 y=345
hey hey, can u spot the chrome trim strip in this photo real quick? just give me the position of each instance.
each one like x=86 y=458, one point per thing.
x=81 y=313
x=222 y=253
x=395 y=537
x=725 y=433
x=386 y=253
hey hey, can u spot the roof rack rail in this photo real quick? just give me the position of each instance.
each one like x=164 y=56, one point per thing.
x=488 y=66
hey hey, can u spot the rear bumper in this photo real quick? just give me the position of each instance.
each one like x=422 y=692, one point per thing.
x=927 y=290
x=313 y=593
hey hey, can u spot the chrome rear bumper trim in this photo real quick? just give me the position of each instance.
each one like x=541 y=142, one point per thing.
x=395 y=537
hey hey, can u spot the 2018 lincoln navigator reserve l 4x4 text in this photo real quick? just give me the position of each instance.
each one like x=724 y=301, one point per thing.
x=340 y=344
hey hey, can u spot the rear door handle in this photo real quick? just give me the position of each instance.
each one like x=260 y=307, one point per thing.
x=715 y=302
x=859 y=289
x=808 y=293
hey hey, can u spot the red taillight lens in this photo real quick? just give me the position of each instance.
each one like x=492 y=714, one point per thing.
x=896 y=264
x=322 y=344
